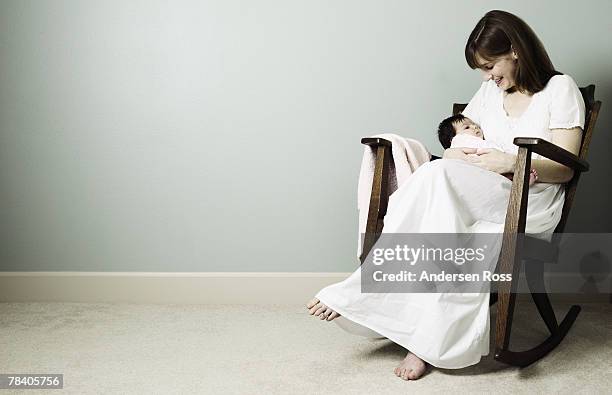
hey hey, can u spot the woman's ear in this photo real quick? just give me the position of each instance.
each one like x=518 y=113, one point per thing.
x=514 y=55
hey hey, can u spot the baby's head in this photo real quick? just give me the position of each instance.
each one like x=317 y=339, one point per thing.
x=457 y=124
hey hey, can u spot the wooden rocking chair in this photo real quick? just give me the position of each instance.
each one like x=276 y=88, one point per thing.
x=514 y=239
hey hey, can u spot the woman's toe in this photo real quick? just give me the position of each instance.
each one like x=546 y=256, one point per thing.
x=314 y=309
x=332 y=316
x=312 y=303
x=321 y=309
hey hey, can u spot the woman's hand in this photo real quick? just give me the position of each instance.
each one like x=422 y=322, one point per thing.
x=493 y=160
x=458 y=153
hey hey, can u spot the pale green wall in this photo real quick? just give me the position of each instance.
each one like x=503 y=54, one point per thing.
x=224 y=135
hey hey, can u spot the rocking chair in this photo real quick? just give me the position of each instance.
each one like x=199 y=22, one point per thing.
x=514 y=239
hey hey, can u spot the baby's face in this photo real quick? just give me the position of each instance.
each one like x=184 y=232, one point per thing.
x=467 y=126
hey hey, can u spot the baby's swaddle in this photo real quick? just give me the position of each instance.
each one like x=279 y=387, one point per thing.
x=469 y=141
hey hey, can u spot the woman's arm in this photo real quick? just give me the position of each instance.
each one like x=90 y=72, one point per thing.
x=548 y=170
x=553 y=172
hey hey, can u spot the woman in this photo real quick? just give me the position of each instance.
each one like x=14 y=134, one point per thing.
x=522 y=95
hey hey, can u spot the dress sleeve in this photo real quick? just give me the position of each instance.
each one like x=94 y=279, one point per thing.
x=567 y=106
x=475 y=107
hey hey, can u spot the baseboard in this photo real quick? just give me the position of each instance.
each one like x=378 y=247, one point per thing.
x=165 y=288
x=257 y=288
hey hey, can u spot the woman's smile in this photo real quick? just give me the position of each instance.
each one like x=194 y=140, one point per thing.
x=501 y=70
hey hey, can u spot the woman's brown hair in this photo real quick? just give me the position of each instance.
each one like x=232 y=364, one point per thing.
x=498 y=33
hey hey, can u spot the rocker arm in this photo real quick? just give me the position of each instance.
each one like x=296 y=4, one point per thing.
x=552 y=152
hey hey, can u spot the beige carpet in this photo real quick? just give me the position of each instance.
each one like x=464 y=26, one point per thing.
x=214 y=349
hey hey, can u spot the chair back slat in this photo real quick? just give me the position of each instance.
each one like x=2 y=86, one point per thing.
x=458 y=107
x=590 y=118
x=591 y=113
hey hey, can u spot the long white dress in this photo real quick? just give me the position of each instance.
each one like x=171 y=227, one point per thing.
x=451 y=330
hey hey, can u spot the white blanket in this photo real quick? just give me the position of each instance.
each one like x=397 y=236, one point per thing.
x=408 y=155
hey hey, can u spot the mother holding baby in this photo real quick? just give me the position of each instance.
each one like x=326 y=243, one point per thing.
x=522 y=96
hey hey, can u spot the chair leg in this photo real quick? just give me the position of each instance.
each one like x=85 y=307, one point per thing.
x=535 y=280
x=512 y=247
x=493 y=298
x=378 y=200
x=527 y=357
x=534 y=271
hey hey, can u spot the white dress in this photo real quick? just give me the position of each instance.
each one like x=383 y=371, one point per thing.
x=451 y=330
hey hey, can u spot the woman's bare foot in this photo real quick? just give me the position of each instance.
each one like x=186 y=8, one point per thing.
x=411 y=368
x=533 y=177
x=320 y=310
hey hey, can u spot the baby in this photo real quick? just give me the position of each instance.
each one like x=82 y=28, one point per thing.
x=460 y=131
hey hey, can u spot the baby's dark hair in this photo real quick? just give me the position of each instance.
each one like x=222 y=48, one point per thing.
x=446 y=130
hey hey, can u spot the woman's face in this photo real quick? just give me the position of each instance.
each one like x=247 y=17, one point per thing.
x=502 y=70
